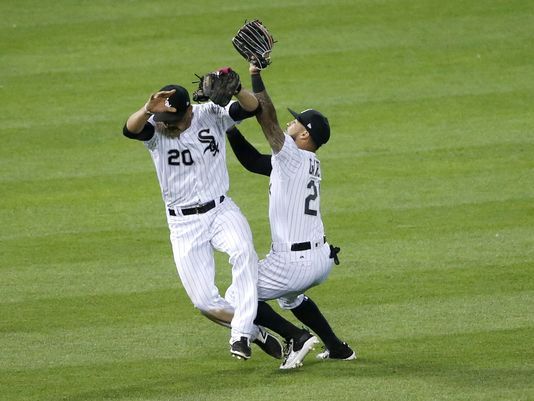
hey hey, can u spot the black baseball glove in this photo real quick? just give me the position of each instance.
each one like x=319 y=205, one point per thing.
x=254 y=42
x=218 y=86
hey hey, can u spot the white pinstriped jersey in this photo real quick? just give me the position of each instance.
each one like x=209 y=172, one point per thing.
x=294 y=196
x=192 y=169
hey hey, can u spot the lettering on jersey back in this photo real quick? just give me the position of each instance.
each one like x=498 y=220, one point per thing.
x=205 y=137
x=315 y=167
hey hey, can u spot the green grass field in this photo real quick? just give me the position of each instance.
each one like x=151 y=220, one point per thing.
x=428 y=188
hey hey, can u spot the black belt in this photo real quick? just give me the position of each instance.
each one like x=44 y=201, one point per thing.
x=206 y=207
x=303 y=246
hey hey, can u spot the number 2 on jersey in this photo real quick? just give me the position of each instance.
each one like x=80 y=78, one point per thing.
x=310 y=198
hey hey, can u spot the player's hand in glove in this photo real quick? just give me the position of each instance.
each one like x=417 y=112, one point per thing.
x=255 y=43
x=218 y=86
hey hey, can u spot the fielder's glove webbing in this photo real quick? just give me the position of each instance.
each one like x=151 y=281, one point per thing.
x=254 y=42
x=218 y=86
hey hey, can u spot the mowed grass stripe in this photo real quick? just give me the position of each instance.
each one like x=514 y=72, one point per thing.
x=441 y=122
x=469 y=351
x=157 y=378
x=140 y=273
x=438 y=269
x=453 y=249
x=478 y=24
x=500 y=306
x=429 y=316
x=439 y=161
x=433 y=283
x=488 y=363
x=461 y=149
x=86 y=346
x=492 y=219
x=114 y=308
x=439 y=231
x=503 y=224
x=442 y=92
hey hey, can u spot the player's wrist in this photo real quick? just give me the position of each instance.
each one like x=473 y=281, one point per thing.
x=257 y=83
x=253 y=69
x=147 y=111
x=238 y=89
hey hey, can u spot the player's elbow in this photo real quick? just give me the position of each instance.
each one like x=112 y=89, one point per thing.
x=129 y=134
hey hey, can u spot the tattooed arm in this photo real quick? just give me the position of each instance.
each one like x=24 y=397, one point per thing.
x=266 y=115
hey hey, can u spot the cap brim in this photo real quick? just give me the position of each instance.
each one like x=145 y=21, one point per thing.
x=298 y=117
x=293 y=113
x=168 y=117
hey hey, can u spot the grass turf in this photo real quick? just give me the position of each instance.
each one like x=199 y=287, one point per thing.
x=428 y=189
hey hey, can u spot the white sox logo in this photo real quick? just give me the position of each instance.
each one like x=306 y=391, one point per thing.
x=204 y=137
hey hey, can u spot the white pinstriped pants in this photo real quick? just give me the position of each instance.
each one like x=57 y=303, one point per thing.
x=286 y=275
x=193 y=239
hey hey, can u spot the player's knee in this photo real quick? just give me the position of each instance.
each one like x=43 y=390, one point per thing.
x=291 y=302
x=216 y=307
x=203 y=305
x=219 y=316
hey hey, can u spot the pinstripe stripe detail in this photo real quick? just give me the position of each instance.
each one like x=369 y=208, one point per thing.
x=289 y=274
x=231 y=234
x=193 y=239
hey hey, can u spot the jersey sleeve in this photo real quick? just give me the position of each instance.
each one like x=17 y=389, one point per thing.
x=146 y=133
x=152 y=142
x=224 y=115
x=238 y=113
x=289 y=157
x=248 y=155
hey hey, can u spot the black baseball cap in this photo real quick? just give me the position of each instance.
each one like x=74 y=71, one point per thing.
x=179 y=100
x=315 y=123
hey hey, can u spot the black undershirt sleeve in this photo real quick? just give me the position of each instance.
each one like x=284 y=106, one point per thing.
x=146 y=134
x=247 y=154
x=238 y=113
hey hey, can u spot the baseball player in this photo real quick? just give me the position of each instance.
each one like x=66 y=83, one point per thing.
x=187 y=145
x=300 y=257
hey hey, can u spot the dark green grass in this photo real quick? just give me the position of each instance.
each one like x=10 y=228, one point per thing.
x=428 y=188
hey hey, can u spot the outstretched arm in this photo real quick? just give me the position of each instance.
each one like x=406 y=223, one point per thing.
x=247 y=100
x=267 y=113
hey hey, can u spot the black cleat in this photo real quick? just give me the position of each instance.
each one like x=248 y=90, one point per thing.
x=342 y=353
x=269 y=344
x=240 y=349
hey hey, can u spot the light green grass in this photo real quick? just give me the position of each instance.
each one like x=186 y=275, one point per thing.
x=428 y=188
